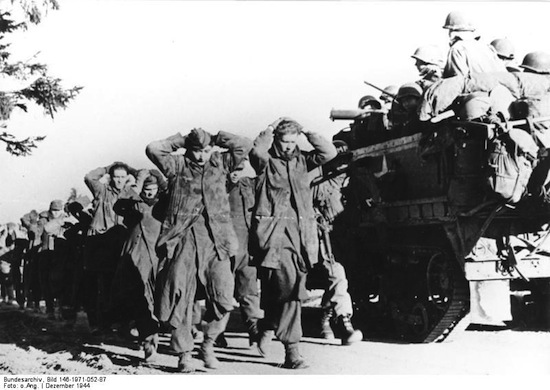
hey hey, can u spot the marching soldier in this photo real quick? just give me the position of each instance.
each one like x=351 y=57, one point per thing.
x=105 y=237
x=197 y=238
x=336 y=301
x=284 y=229
x=135 y=278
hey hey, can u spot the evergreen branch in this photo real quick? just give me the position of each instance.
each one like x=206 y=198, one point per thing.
x=22 y=147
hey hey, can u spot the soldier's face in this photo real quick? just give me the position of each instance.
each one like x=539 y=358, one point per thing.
x=56 y=213
x=201 y=156
x=150 y=191
x=410 y=103
x=287 y=143
x=120 y=177
x=420 y=65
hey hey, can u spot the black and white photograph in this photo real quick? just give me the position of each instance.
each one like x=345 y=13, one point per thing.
x=238 y=188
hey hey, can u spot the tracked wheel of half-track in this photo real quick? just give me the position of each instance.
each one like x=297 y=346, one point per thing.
x=437 y=305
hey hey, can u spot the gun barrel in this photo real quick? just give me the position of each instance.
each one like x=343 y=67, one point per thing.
x=381 y=90
x=339 y=114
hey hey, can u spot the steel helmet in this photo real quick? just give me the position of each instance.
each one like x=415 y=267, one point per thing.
x=409 y=89
x=537 y=62
x=369 y=100
x=474 y=105
x=456 y=21
x=391 y=90
x=429 y=54
x=503 y=48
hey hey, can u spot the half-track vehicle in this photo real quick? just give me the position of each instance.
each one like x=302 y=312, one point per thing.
x=420 y=222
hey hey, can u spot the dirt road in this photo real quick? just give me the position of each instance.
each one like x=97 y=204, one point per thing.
x=32 y=344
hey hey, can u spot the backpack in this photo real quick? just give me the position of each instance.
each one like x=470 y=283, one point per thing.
x=510 y=164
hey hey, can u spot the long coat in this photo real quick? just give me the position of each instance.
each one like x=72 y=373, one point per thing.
x=137 y=271
x=194 y=192
x=105 y=197
x=280 y=184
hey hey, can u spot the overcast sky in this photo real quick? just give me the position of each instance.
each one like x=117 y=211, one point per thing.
x=150 y=69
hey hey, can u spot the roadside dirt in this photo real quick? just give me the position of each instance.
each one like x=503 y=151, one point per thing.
x=32 y=344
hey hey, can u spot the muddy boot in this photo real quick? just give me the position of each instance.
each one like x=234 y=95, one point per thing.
x=206 y=354
x=253 y=333
x=150 y=346
x=326 y=329
x=350 y=335
x=185 y=363
x=293 y=360
x=221 y=341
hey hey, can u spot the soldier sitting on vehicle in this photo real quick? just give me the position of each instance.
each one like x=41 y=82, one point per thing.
x=467 y=54
x=530 y=88
x=371 y=127
x=404 y=110
x=505 y=52
x=388 y=95
x=429 y=62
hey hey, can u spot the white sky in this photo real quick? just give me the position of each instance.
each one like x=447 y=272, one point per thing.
x=152 y=68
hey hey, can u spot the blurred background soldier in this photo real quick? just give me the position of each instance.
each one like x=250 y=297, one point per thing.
x=31 y=280
x=505 y=52
x=390 y=92
x=75 y=234
x=134 y=282
x=429 y=62
x=7 y=248
x=104 y=242
x=197 y=237
x=467 y=54
x=285 y=230
x=17 y=239
x=52 y=255
x=336 y=301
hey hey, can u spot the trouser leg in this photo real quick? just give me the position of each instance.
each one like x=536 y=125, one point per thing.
x=182 y=339
x=336 y=295
x=44 y=275
x=282 y=291
x=289 y=326
x=90 y=296
x=246 y=289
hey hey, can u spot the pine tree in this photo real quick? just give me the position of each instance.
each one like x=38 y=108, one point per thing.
x=24 y=82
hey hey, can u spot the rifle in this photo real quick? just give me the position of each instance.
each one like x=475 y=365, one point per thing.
x=381 y=90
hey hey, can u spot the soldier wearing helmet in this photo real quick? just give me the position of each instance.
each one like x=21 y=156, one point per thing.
x=467 y=54
x=404 y=109
x=505 y=52
x=390 y=92
x=429 y=62
x=387 y=97
x=536 y=62
x=369 y=101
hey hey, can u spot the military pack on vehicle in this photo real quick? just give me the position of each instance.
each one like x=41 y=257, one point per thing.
x=432 y=211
